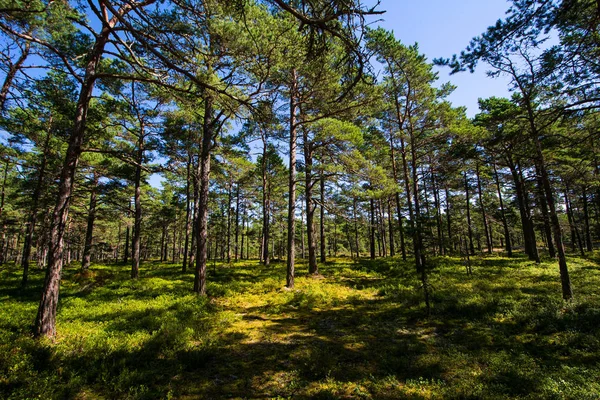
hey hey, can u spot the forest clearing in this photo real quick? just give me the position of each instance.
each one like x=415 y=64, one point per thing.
x=358 y=331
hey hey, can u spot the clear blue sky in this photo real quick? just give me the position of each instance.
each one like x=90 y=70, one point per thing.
x=443 y=28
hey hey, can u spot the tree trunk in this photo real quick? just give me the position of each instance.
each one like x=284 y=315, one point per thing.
x=398 y=209
x=544 y=209
x=372 y=230
x=407 y=189
x=528 y=234
x=188 y=213
x=291 y=248
x=469 y=226
x=486 y=228
x=507 y=240
x=313 y=268
x=37 y=192
x=302 y=247
x=349 y=239
x=243 y=230
x=391 y=230
x=418 y=234
x=137 y=203
x=438 y=213
x=356 y=230
x=3 y=252
x=229 y=211
x=237 y=222
x=162 y=242
x=382 y=228
x=586 y=220
x=265 y=208
x=208 y=134
x=575 y=238
x=322 y=219
x=127 y=238
x=89 y=233
x=174 y=248
x=567 y=291
x=335 y=236
x=194 y=237
x=448 y=216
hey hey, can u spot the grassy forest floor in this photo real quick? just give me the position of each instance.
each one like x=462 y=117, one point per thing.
x=358 y=331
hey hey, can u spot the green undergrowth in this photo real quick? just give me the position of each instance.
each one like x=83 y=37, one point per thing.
x=357 y=330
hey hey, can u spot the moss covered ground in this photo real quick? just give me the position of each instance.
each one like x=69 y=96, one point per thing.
x=359 y=330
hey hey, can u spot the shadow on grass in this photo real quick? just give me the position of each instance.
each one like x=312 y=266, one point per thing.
x=485 y=337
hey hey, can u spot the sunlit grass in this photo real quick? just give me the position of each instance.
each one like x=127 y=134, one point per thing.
x=357 y=331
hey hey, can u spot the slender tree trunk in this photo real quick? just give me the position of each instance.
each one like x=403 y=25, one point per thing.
x=349 y=239
x=118 y=248
x=237 y=221
x=265 y=207
x=567 y=291
x=188 y=213
x=528 y=212
x=391 y=230
x=571 y=222
x=3 y=252
x=438 y=212
x=244 y=225
x=419 y=250
x=313 y=268
x=194 y=237
x=322 y=219
x=335 y=236
x=547 y=233
x=229 y=210
x=127 y=238
x=202 y=222
x=166 y=242
x=174 y=248
x=302 y=246
x=575 y=238
x=37 y=192
x=427 y=210
x=372 y=230
x=398 y=209
x=486 y=228
x=586 y=220
x=597 y=194
x=291 y=248
x=400 y=119
x=89 y=233
x=528 y=234
x=448 y=216
x=137 y=203
x=407 y=189
x=382 y=233
x=507 y=240
x=356 y=231
x=469 y=226
x=162 y=242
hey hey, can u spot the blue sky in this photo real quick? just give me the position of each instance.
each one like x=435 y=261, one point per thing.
x=443 y=28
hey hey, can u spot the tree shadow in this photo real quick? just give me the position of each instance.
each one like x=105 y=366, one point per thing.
x=485 y=338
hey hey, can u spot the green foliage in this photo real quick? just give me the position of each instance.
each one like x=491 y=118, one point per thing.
x=358 y=331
